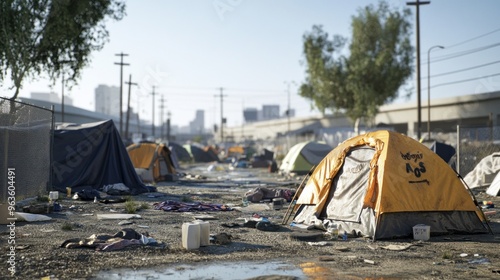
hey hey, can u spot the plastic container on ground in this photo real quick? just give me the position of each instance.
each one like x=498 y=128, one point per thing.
x=204 y=232
x=421 y=232
x=191 y=235
x=54 y=195
x=333 y=230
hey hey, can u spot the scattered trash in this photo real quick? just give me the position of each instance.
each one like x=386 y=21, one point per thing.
x=221 y=238
x=179 y=206
x=480 y=261
x=41 y=208
x=319 y=244
x=307 y=236
x=231 y=225
x=369 y=261
x=463 y=255
x=393 y=247
x=302 y=226
x=103 y=242
x=421 y=232
x=125 y=222
x=142 y=226
x=118 y=216
x=31 y=217
x=332 y=230
x=22 y=247
x=326 y=259
x=342 y=249
x=204 y=217
x=344 y=236
x=267 y=226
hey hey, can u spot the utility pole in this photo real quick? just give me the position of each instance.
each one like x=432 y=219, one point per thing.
x=288 y=109
x=168 y=126
x=121 y=55
x=162 y=123
x=221 y=115
x=419 y=99
x=129 y=83
x=153 y=123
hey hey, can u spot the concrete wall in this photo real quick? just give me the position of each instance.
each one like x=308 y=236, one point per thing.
x=469 y=110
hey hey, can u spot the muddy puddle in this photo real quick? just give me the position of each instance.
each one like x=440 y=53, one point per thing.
x=242 y=270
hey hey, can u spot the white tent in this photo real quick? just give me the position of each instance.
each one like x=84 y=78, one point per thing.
x=494 y=188
x=486 y=168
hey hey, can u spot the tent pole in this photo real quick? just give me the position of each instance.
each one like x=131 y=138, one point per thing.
x=475 y=202
x=289 y=211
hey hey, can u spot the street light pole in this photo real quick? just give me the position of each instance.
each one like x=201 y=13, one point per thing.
x=429 y=90
x=419 y=105
x=153 y=123
x=288 y=106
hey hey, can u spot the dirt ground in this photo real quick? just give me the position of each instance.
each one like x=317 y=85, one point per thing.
x=39 y=253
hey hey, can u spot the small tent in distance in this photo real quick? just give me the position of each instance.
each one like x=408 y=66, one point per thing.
x=180 y=152
x=303 y=156
x=383 y=183
x=200 y=153
x=92 y=155
x=152 y=162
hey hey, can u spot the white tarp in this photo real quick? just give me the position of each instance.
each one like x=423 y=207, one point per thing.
x=487 y=166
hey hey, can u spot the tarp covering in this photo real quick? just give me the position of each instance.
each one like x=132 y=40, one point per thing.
x=400 y=175
x=92 y=155
x=487 y=166
x=445 y=151
x=181 y=152
x=154 y=159
x=200 y=153
x=494 y=188
x=303 y=156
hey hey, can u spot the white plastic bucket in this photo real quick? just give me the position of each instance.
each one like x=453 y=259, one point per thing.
x=204 y=232
x=421 y=232
x=191 y=235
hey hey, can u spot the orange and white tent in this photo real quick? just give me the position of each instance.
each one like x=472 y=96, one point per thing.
x=153 y=162
x=383 y=183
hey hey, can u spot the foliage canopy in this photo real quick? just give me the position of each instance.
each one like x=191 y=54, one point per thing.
x=52 y=36
x=367 y=75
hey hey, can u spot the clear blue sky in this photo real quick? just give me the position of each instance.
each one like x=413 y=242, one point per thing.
x=189 y=49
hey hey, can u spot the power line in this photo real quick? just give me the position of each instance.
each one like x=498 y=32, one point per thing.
x=472 y=39
x=465 y=80
x=462 y=70
x=462 y=53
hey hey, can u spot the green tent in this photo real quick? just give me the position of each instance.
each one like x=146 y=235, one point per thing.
x=303 y=156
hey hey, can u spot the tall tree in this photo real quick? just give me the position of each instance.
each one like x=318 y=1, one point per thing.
x=357 y=81
x=52 y=36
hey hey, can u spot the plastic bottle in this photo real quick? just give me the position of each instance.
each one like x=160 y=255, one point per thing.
x=344 y=236
x=333 y=229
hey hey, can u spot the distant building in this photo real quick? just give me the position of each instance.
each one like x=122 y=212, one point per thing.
x=51 y=97
x=250 y=115
x=270 y=112
x=197 y=126
x=107 y=100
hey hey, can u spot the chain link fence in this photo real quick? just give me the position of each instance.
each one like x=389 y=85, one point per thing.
x=472 y=144
x=25 y=149
x=475 y=143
